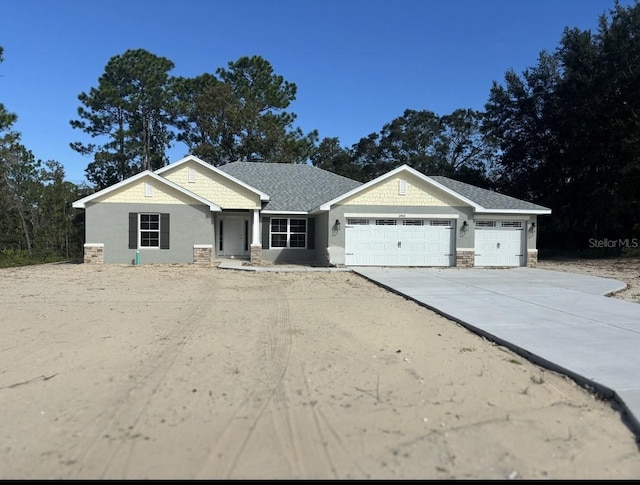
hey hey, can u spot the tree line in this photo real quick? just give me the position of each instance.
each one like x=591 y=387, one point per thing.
x=37 y=222
x=564 y=133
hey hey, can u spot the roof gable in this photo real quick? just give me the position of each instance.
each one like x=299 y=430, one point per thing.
x=481 y=200
x=212 y=185
x=403 y=189
x=140 y=177
x=389 y=175
x=164 y=171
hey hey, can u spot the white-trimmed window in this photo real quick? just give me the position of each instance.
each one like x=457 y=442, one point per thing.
x=149 y=230
x=288 y=233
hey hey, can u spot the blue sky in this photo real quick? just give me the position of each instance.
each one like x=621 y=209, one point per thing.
x=357 y=64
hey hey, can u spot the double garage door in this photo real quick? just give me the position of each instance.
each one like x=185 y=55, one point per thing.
x=499 y=243
x=399 y=242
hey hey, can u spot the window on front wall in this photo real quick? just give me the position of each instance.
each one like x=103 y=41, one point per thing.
x=288 y=233
x=149 y=230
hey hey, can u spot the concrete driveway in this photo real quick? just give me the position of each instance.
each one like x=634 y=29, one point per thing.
x=559 y=320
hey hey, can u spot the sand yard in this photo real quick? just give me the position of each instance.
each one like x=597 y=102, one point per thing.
x=173 y=371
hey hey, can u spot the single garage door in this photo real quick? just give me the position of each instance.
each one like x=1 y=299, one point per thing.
x=399 y=242
x=499 y=243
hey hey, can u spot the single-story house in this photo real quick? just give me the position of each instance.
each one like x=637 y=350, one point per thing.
x=192 y=212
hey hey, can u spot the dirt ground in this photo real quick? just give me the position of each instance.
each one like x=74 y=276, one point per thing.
x=626 y=270
x=181 y=372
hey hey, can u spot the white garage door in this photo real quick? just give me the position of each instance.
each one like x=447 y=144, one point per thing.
x=399 y=242
x=499 y=243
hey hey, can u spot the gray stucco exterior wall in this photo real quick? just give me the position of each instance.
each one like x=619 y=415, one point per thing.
x=108 y=223
x=322 y=238
x=532 y=233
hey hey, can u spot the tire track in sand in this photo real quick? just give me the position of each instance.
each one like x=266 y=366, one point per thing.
x=287 y=435
x=109 y=441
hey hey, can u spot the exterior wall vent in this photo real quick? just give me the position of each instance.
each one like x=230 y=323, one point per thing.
x=402 y=187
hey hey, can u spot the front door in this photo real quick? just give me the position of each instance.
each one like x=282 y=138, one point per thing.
x=234 y=236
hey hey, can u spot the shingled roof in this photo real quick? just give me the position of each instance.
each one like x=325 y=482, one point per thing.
x=292 y=187
x=486 y=198
x=302 y=187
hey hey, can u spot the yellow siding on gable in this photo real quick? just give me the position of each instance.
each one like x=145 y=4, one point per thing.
x=135 y=193
x=418 y=193
x=214 y=187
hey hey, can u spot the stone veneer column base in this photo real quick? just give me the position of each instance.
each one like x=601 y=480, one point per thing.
x=465 y=259
x=202 y=253
x=94 y=253
x=256 y=254
x=532 y=258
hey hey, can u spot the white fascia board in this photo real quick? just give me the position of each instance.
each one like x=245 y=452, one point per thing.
x=208 y=166
x=524 y=212
x=403 y=168
x=81 y=204
x=297 y=213
x=502 y=217
x=407 y=215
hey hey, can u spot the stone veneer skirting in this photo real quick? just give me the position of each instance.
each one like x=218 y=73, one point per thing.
x=202 y=253
x=532 y=258
x=465 y=259
x=94 y=253
x=256 y=254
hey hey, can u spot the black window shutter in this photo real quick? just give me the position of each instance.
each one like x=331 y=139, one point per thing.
x=311 y=233
x=164 y=231
x=265 y=232
x=133 y=230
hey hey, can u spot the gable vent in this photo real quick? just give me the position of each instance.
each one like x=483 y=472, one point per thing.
x=402 y=187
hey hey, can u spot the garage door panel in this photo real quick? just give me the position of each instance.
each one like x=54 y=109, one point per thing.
x=399 y=242
x=419 y=247
x=499 y=243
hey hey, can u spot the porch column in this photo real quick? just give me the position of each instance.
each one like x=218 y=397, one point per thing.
x=255 y=228
x=256 y=245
